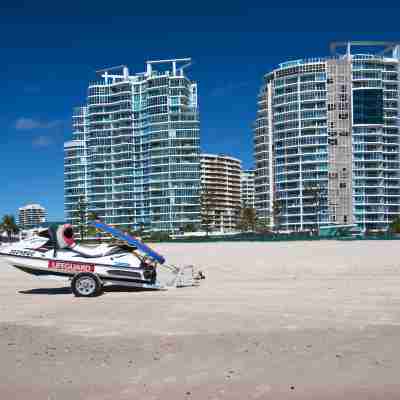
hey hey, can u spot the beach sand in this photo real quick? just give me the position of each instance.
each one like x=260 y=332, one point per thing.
x=295 y=320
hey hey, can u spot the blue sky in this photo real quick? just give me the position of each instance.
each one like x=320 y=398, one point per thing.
x=50 y=50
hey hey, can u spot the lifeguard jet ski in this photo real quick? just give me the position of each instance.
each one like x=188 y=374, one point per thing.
x=53 y=252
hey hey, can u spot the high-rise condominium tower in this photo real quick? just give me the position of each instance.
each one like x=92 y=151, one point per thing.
x=327 y=139
x=135 y=155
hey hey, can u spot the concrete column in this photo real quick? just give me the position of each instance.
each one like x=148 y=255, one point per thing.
x=126 y=73
x=149 y=69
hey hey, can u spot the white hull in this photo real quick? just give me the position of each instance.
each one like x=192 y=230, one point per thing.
x=41 y=266
x=118 y=264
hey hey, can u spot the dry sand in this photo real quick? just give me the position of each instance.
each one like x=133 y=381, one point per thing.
x=299 y=320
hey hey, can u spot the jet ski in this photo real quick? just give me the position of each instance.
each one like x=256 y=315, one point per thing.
x=129 y=262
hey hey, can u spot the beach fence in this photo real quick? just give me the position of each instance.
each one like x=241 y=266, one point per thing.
x=285 y=237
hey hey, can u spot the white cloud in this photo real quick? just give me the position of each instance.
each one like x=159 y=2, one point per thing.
x=42 y=141
x=27 y=124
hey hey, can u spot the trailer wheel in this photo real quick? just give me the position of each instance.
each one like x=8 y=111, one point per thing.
x=86 y=284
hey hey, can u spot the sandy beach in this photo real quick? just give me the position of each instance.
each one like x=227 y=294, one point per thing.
x=295 y=320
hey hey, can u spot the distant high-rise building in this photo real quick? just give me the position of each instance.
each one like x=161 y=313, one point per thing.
x=327 y=139
x=135 y=155
x=31 y=216
x=221 y=197
x=247 y=188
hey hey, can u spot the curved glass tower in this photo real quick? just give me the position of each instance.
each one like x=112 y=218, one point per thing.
x=135 y=155
x=327 y=139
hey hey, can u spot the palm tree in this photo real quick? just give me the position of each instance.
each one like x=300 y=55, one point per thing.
x=277 y=211
x=81 y=216
x=248 y=219
x=394 y=226
x=91 y=217
x=263 y=224
x=315 y=194
x=8 y=224
x=2 y=230
x=208 y=202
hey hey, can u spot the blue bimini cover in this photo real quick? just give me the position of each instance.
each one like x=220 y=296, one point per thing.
x=130 y=240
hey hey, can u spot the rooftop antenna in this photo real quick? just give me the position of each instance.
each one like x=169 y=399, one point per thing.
x=387 y=46
x=104 y=73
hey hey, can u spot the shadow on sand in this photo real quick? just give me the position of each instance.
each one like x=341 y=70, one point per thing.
x=67 y=290
x=49 y=291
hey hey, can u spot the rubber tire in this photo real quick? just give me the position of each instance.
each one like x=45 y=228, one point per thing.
x=98 y=290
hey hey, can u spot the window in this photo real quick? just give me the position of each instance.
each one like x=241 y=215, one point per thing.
x=368 y=106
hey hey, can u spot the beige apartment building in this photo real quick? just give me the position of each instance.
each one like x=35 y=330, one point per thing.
x=221 y=192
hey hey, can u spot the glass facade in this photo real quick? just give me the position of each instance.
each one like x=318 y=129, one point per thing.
x=376 y=177
x=368 y=107
x=135 y=154
x=247 y=188
x=291 y=146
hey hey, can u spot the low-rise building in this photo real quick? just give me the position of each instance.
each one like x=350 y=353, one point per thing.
x=31 y=216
